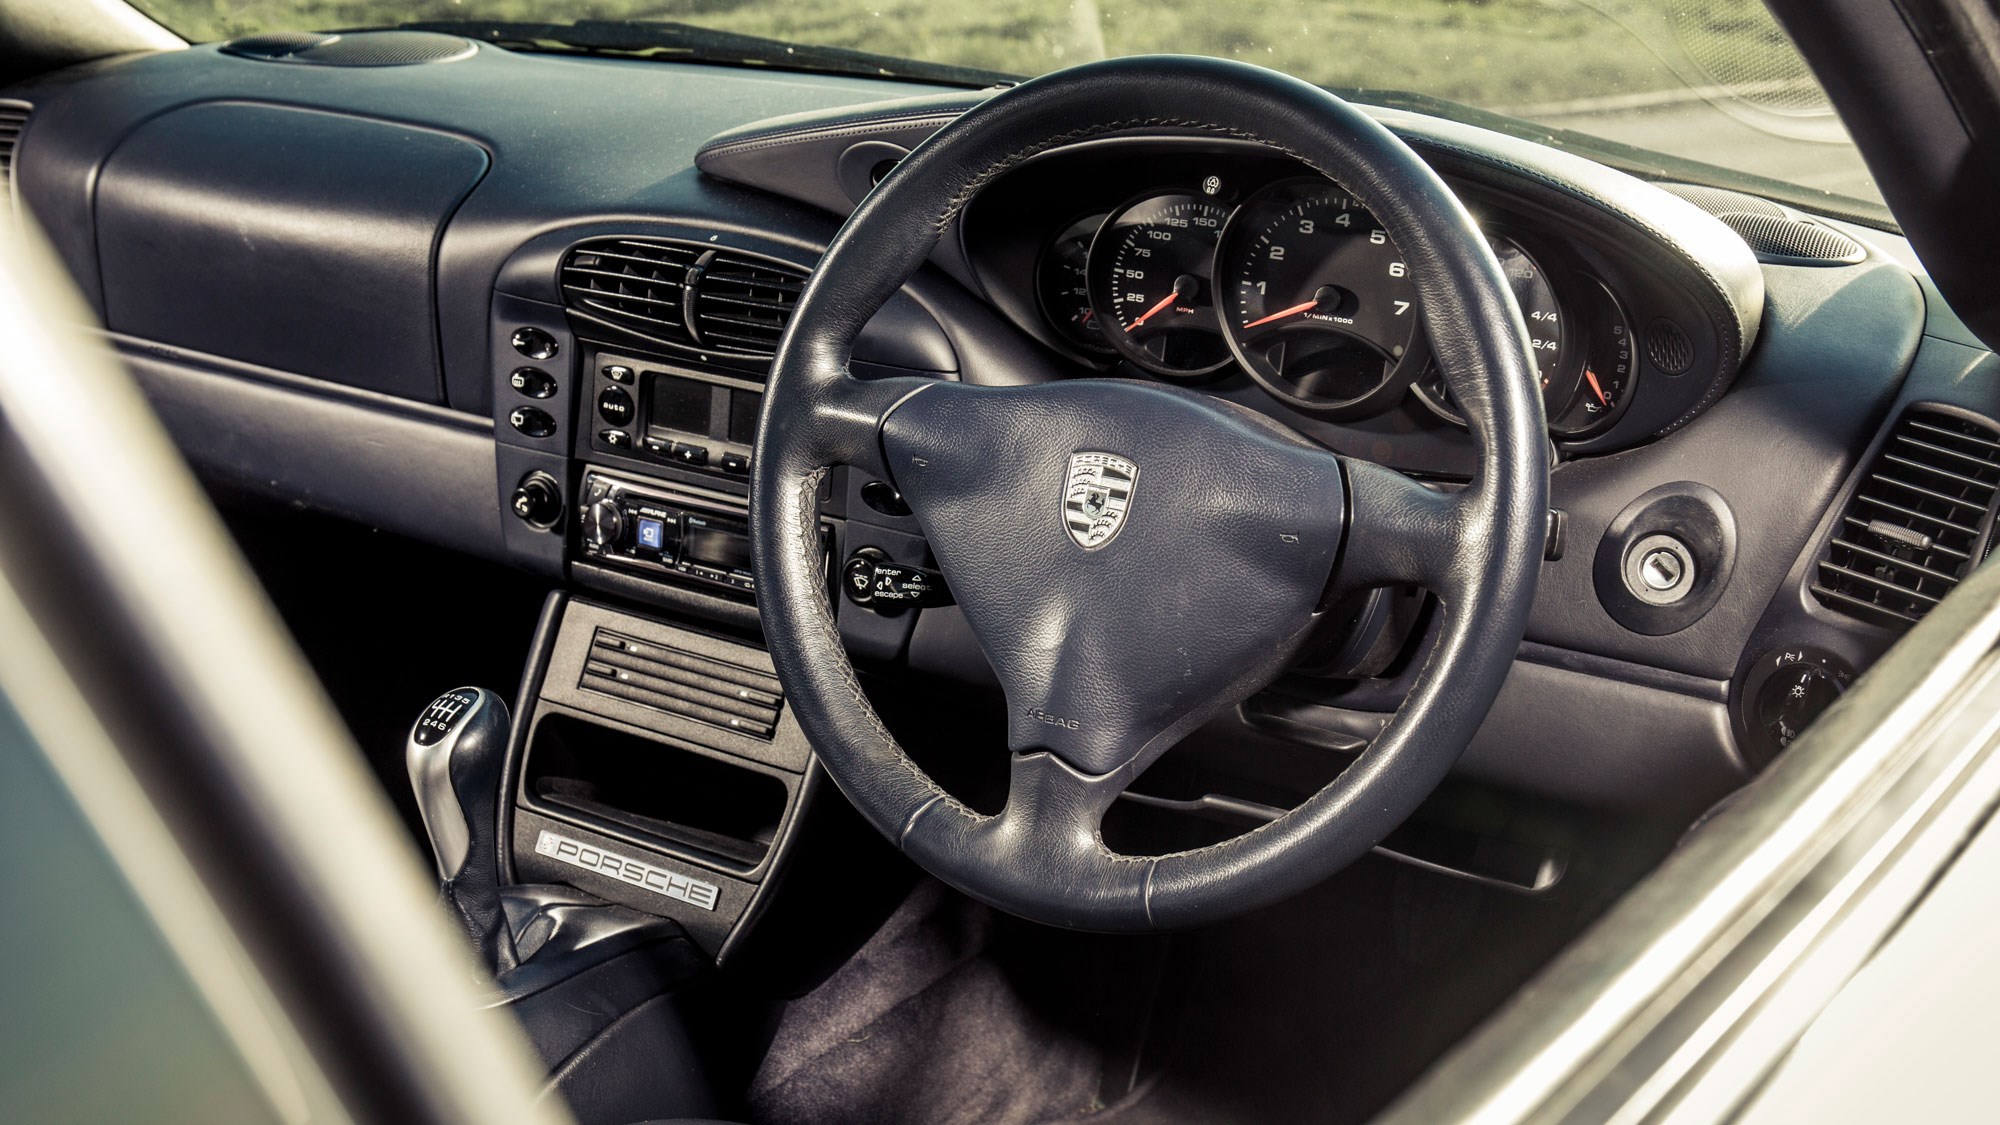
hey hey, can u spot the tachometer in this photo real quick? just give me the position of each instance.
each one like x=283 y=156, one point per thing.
x=1321 y=308
x=1151 y=270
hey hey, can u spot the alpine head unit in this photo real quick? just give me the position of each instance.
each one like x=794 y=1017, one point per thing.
x=673 y=416
x=651 y=528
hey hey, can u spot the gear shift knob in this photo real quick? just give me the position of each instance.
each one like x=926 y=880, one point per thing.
x=454 y=754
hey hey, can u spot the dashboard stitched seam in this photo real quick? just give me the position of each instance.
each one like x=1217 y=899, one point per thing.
x=858 y=129
x=1718 y=293
x=978 y=182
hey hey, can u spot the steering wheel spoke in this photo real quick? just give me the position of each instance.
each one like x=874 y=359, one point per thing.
x=844 y=423
x=1044 y=848
x=1400 y=531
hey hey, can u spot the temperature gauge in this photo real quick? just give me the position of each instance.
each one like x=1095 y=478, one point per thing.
x=1609 y=373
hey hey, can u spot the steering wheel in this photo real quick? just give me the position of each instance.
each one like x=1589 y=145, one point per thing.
x=1135 y=558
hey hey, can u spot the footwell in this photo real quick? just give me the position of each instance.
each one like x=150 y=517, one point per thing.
x=922 y=1025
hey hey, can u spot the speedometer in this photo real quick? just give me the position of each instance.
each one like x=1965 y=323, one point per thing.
x=1151 y=276
x=1320 y=306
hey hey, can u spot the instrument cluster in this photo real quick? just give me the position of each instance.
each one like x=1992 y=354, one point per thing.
x=1294 y=284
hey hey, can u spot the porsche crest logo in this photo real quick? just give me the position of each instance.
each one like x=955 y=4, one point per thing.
x=1097 y=496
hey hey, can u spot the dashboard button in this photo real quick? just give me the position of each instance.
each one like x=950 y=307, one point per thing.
x=531 y=421
x=537 y=501
x=614 y=405
x=735 y=463
x=533 y=382
x=615 y=439
x=687 y=454
x=534 y=343
x=619 y=373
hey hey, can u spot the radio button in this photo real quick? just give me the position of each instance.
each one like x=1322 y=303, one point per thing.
x=614 y=405
x=615 y=439
x=619 y=373
x=533 y=382
x=602 y=524
x=532 y=422
x=534 y=343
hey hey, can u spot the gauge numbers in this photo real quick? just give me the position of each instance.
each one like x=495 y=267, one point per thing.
x=1323 y=310
x=1151 y=276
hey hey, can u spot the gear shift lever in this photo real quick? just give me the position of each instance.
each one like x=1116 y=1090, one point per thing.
x=454 y=755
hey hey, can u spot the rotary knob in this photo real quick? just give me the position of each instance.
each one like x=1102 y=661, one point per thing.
x=602 y=524
x=538 y=500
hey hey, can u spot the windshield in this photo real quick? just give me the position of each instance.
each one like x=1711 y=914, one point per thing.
x=1708 y=81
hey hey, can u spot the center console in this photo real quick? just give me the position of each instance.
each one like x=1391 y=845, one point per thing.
x=654 y=763
x=656 y=767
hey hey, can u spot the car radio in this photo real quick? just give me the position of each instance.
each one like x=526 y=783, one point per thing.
x=649 y=527
x=672 y=415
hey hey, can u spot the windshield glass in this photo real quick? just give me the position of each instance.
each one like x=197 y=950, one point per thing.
x=1713 y=82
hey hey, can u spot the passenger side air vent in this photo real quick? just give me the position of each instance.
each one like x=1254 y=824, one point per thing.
x=1916 y=522
x=13 y=119
x=743 y=304
x=683 y=684
x=721 y=304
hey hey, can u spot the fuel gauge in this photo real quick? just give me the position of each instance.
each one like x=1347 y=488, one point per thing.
x=1609 y=374
x=1062 y=288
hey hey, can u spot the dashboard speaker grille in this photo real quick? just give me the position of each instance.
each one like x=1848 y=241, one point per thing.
x=744 y=303
x=1776 y=233
x=362 y=48
x=13 y=119
x=720 y=303
x=1915 y=522
x=681 y=683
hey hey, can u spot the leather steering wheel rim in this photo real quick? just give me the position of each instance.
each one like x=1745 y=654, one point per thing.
x=1342 y=523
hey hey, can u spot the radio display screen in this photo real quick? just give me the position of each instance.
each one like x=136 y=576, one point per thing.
x=723 y=544
x=679 y=404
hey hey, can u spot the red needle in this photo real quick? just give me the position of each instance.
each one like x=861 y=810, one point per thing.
x=1164 y=302
x=1293 y=311
x=1595 y=389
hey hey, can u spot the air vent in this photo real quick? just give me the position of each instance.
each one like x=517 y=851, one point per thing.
x=1915 y=524
x=13 y=119
x=721 y=304
x=683 y=684
x=639 y=285
x=743 y=303
x=1777 y=234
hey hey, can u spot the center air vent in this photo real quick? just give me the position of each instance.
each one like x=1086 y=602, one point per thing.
x=744 y=303
x=1916 y=522
x=681 y=683
x=720 y=304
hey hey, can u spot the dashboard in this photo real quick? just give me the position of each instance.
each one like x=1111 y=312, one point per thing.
x=541 y=333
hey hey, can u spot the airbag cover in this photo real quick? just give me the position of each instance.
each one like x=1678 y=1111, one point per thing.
x=1118 y=623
